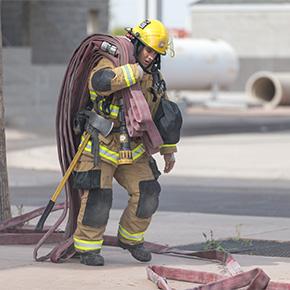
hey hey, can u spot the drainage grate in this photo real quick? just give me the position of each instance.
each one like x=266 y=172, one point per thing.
x=245 y=246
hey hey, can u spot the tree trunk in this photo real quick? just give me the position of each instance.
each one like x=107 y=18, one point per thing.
x=5 y=211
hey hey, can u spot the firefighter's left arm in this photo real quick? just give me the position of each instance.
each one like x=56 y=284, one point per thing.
x=167 y=150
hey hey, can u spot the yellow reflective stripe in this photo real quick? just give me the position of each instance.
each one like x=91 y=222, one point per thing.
x=85 y=245
x=167 y=145
x=114 y=115
x=109 y=154
x=93 y=95
x=112 y=155
x=138 y=151
x=114 y=110
x=128 y=74
x=88 y=147
x=129 y=236
x=128 y=67
x=88 y=150
x=92 y=92
x=101 y=104
x=98 y=242
x=125 y=76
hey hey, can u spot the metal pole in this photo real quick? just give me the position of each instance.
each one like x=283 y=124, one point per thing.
x=159 y=10
x=146 y=9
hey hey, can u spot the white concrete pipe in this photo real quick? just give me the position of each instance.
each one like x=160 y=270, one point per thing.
x=271 y=88
x=200 y=64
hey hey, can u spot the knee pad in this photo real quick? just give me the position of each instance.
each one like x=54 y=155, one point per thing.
x=149 y=198
x=86 y=179
x=98 y=207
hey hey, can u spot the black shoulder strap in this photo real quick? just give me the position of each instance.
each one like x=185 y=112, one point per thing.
x=159 y=85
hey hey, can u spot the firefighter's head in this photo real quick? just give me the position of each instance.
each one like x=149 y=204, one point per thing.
x=151 y=39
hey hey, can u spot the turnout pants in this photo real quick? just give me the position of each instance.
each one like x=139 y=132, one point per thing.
x=96 y=201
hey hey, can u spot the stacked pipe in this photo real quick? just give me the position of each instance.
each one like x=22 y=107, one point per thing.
x=273 y=89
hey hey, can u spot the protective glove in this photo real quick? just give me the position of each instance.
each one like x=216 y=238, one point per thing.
x=169 y=160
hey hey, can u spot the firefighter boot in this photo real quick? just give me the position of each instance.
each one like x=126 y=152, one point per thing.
x=92 y=258
x=137 y=251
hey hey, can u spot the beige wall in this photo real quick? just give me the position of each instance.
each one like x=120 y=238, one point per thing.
x=252 y=30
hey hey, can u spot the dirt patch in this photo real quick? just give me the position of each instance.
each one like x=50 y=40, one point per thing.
x=244 y=246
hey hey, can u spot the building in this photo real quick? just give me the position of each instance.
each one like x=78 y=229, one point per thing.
x=257 y=30
x=39 y=37
x=52 y=28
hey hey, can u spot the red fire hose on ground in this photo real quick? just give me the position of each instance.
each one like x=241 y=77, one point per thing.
x=14 y=231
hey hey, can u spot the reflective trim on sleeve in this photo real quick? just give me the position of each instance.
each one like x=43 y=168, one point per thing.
x=137 y=237
x=114 y=109
x=93 y=95
x=128 y=74
x=85 y=245
x=167 y=145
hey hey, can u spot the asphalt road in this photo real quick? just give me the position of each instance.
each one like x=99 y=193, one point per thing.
x=217 y=196
x=180 y=194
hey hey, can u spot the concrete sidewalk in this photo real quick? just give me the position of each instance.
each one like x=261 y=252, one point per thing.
x=19 y=271
x=121 y=271
x=261 y=156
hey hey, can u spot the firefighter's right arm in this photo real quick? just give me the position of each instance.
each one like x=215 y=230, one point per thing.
x=106 y=79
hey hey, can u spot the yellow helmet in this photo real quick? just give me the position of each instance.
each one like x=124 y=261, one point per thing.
x=153 y=34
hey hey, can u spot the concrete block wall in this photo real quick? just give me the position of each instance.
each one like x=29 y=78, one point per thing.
x=30 y=91
x=57 y=27
x=33 y=74
x=53 y=28
x=15 y=22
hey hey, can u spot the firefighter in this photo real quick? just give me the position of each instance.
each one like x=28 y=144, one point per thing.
x=150 y=39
